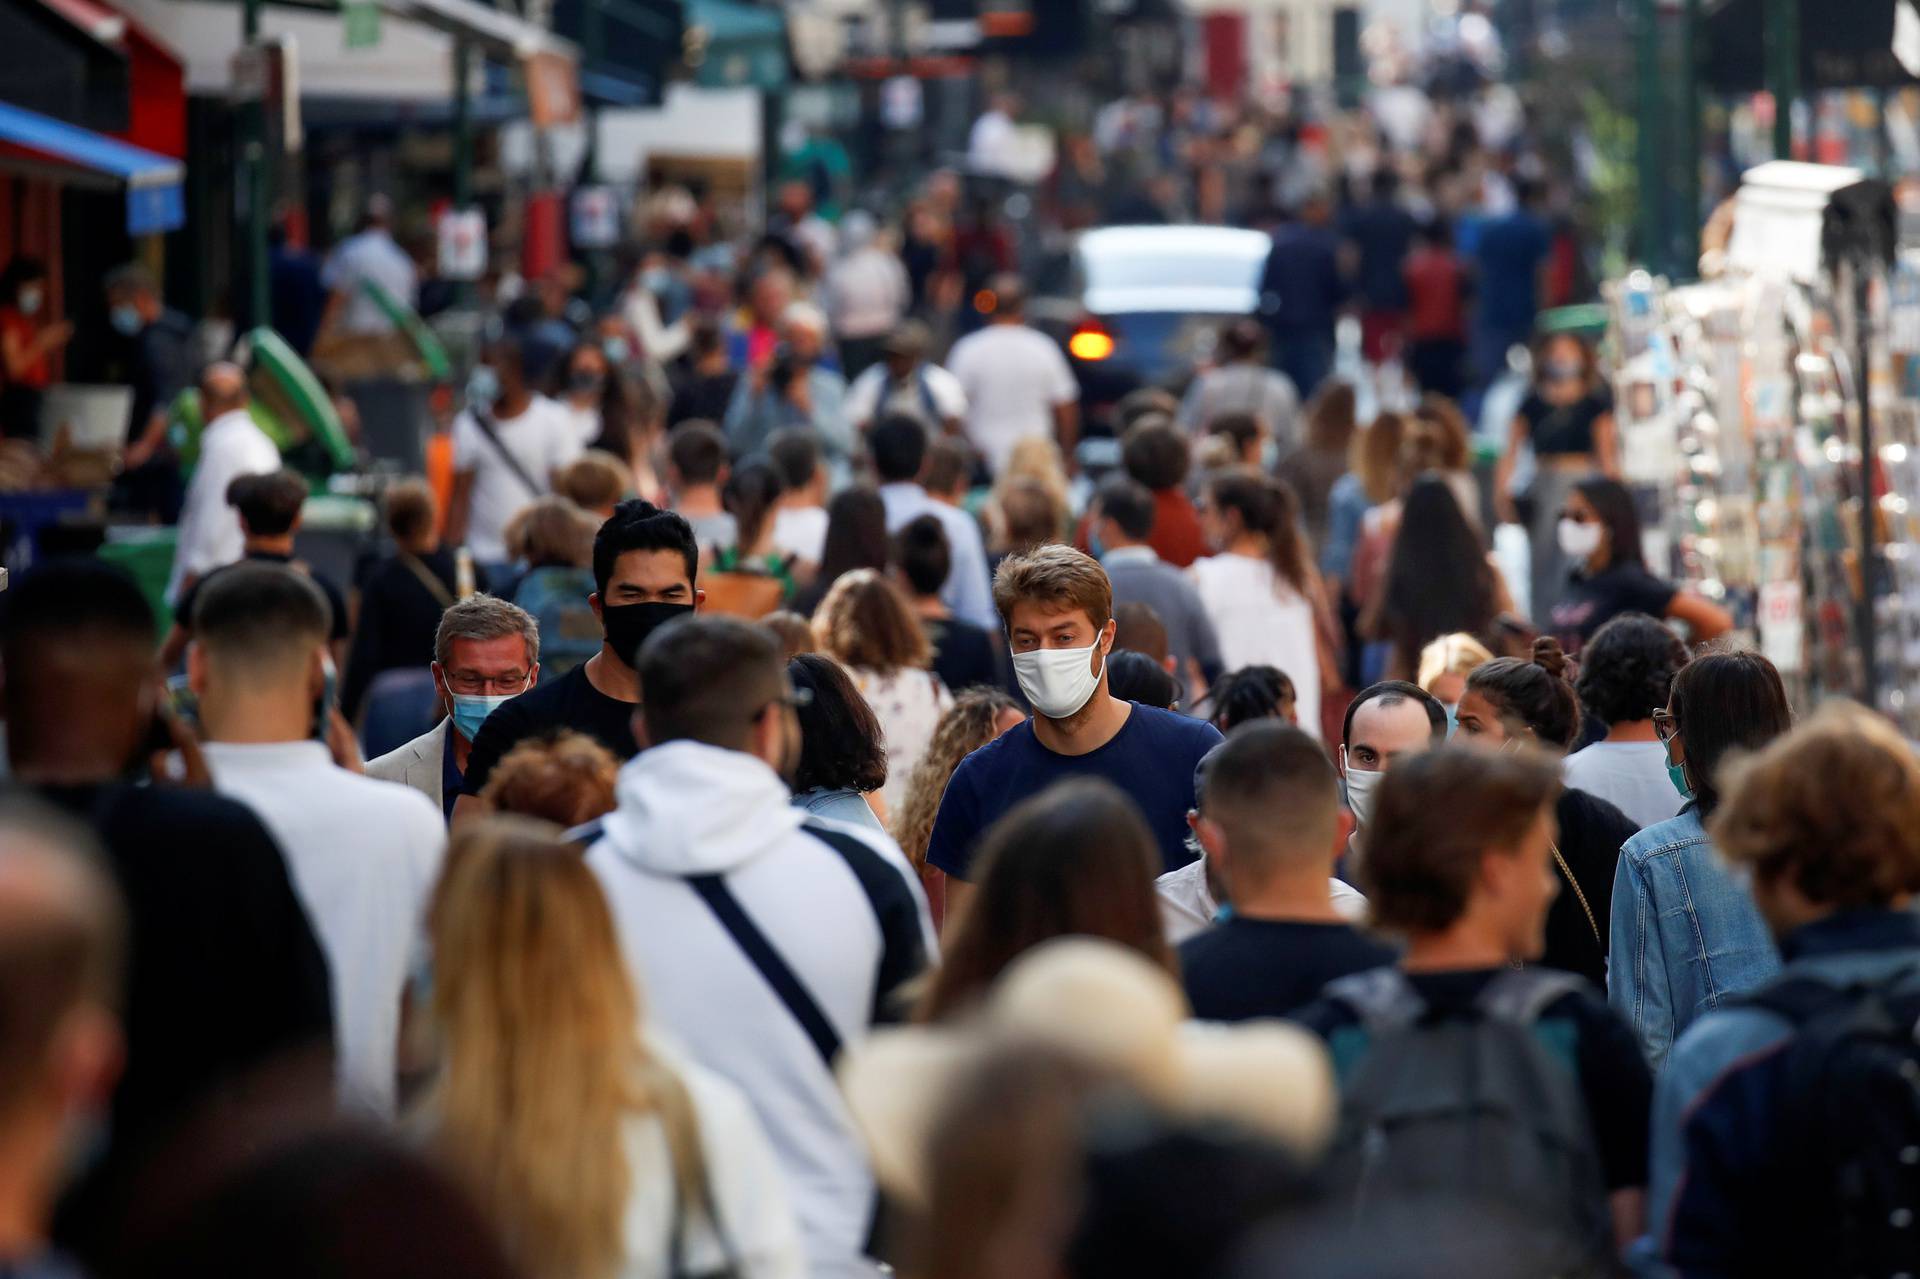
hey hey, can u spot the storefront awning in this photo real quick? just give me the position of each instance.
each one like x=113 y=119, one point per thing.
x=738 y=45
x=153 y=182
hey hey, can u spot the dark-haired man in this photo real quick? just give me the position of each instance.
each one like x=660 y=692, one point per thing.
x=226 y=975
x=899 y=448
x=1386 y=722
x=1269 y=821
x=1123 y=523
x=645 y=564
x=364 y=854
x=269 y=507
x=507 y=447
x=766 y=938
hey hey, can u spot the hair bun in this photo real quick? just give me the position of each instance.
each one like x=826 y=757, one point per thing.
x=1548 y=655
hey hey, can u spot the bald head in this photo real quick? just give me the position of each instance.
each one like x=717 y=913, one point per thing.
x=223 y=388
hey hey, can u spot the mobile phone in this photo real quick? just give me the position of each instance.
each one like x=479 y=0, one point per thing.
x=182 y=704
x=329 y=697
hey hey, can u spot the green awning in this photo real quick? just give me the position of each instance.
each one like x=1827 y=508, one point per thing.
x=738 y=45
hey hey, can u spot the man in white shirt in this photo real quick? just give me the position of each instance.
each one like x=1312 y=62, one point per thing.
x=899 y=447
x=905 y=381
x=1017 y=383
x=363 y=854
x=993 y=145
x=507 y=447
x=800 y=517
x=232 y=445
x=369 y=256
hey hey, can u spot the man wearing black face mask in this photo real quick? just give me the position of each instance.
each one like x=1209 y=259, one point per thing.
x=644 y=566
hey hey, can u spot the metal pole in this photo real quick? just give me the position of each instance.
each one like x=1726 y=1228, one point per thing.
x=1783 y=70
x=253 y=158
x=1869 y=568
x=1686 y=237
x=462 y=122
x=593 y=50
x=1648 y=134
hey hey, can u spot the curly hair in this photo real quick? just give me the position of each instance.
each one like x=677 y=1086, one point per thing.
x=567 y=779
x=1250 y=693
x=864 y=622
x=1779 y=814
x=964 y=729
x=1627 y=669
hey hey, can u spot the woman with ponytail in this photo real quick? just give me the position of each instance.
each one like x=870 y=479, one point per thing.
x=593 y=1156
x=1510 y=704
x=1261 y=590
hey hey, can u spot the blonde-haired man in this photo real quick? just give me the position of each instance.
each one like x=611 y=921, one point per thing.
x=1057 y=606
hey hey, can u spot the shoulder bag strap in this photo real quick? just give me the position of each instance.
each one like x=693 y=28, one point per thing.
x=786 y=984
x=1580 y=896
x=484 y=421
x=427 y=578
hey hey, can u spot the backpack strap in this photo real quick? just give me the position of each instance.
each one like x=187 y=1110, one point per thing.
x=760 y=952
x=1800 y=998
x=1520 y=995
x=903 y=945
x=1382 y=998
x=490 y=432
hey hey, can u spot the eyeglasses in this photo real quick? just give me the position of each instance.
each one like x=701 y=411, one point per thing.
x=1665 y=726
x=474 y=684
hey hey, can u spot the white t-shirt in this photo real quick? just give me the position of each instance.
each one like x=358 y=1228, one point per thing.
x=370 y=255
x=543 y=439
x=1187 y=907
x=1013 y=377
x=1262 y=621
x=801 y=531
x=363 y=855
x=866 y=293
x=586 y=421
x=210 y=534
x=1632 y=776
x=908 y=704
x=931 y=394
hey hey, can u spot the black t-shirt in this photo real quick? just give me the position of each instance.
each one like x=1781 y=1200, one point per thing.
x=1591 y=833
x=1244 y=968
x=224 y=973
x=1613 y=1075
x=1588 y=603
x=399 y=617
x=964 y=655
x=336 y=602
x=163 y=365
x=570 y=701
x=1558 y=430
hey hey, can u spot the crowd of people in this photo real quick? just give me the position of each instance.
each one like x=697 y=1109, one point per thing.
x=774 y=805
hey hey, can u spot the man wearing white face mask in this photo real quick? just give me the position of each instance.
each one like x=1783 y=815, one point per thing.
x=1057 y=605
x=486 y=653
x=1385 y=722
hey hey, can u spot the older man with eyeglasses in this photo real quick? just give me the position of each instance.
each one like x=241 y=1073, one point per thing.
x=486 y=653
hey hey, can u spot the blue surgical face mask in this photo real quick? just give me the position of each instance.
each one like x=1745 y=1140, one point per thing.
x=125 y=319
x=1677 y=774
x=617 y=351
x=1453 y=718
x=1269 y=454
x=470 y=711
x=483 y=387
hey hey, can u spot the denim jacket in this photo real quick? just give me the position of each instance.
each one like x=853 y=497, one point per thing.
x=1716 y=1180
x=1685 y=934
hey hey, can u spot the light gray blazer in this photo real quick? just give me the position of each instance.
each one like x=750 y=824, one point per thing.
x=417 y=764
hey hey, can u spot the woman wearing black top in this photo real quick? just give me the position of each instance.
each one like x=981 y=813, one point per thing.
x=1599 y=531
x=402 y=598
x=1509 y=701
x=964 y=655
x=1567 y=420
x=856 y=538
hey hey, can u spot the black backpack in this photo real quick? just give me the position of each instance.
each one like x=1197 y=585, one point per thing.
x=1850 y=1106
x=1476 y=1108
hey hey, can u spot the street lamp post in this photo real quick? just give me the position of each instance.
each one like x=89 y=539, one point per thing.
x=253 y=159
x=1783 y=70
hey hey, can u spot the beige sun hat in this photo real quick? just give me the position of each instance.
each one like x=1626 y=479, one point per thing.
x=1114 y=1009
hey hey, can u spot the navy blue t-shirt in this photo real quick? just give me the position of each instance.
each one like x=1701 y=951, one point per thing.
x=1151 y=759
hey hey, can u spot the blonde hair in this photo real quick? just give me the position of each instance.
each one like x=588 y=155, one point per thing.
x=1037 y=458
x=865 y=622
x=1778 y=815
x=551 y=531
x=568 y=779
x=543 y=1064
x=1375 y=457
x=964 y=729
x=1456 y=654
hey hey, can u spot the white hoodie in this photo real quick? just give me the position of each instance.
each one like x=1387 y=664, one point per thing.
x=852 y=928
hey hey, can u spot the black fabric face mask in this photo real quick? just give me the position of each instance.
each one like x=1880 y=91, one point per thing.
x=627 y=625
